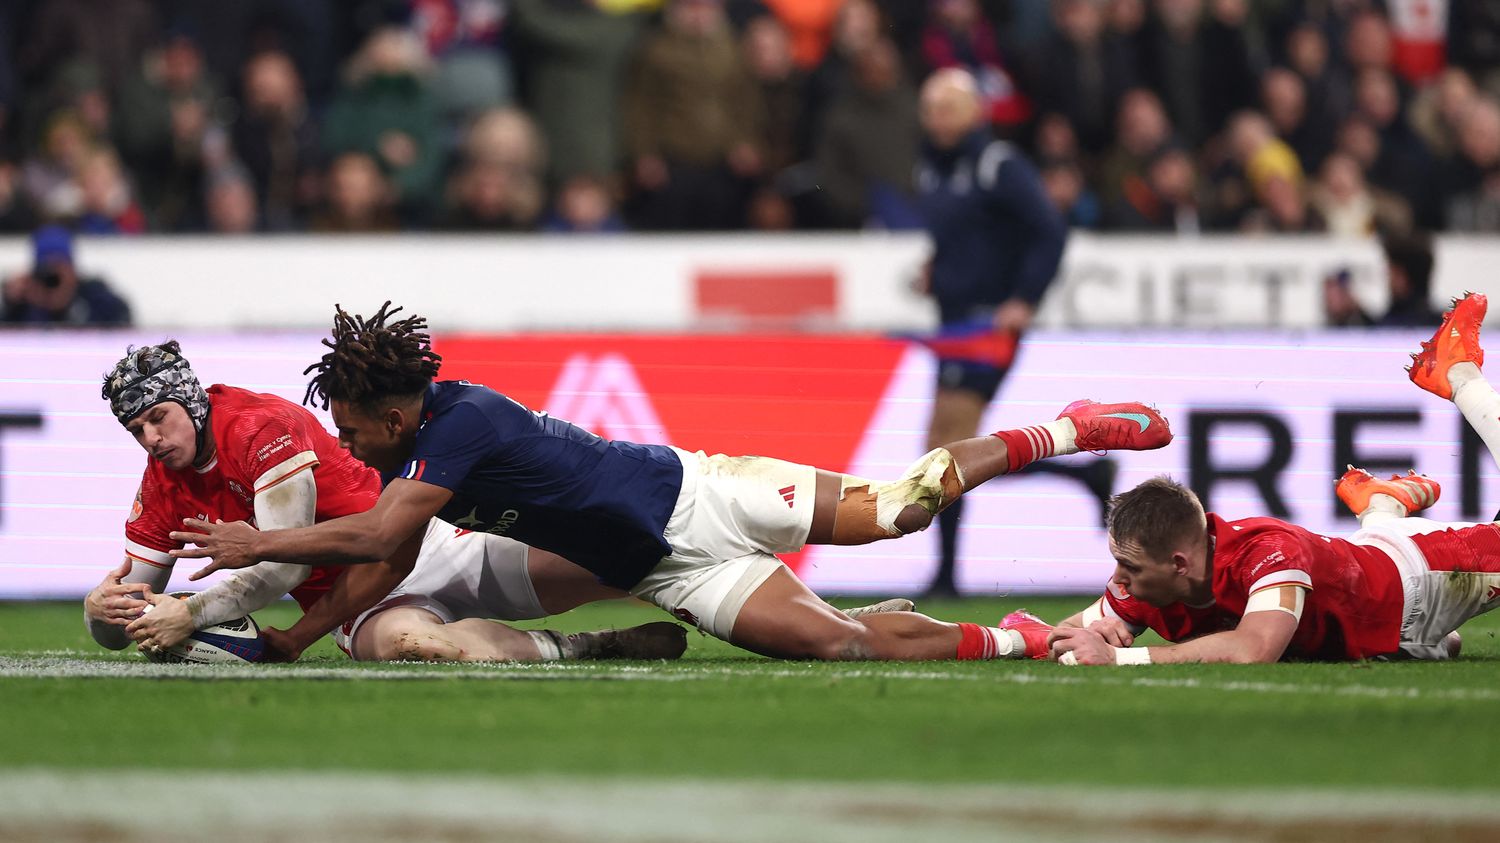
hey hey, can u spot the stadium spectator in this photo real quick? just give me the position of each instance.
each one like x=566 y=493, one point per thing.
x=1307 y=54
x=1367 y=42
x=868 y=143
x=358 y=200
x=997 y=243
x=1164 y=198
x=108 y=203
x=1283 y=96
x=463 y=43
x=49 y=178
x=498 y=186
x=1437 y=111
x=1340 y=308
x=1409 y=270
x=53 y=292
x=1065 y=185
x=692 y=121
x=1281 y=208
x=231 y=202
x=276 y=139
x=1126 y=20
x=584 y=205
x=386 y=111
x=1472 y=178
x=1198 y=60
x=484 y=196
x=768 y=57
x=858 y=24
x=1055 y=139
x=169 y=130
x=1143 y=130
x=1351 y=207
x=959 y=34
x=1081 y=72
x=572 y=55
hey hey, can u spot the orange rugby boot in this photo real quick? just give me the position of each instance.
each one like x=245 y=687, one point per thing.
x=1415 y=492
x=1034 y=632
x=1117 y=427
x=1456 y=341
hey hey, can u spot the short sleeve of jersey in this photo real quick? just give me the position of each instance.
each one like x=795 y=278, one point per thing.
x=1118 y=603
x=274 y=447
x=1269 y=561
x=149 y=526
x=456 y=439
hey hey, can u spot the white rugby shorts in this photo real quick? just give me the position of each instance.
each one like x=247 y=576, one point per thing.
x=1435 y=602
x=733 y=515
x=460 y=574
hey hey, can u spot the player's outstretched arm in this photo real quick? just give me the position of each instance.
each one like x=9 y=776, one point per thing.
x=1261 y=637
x=403 y=509
x=356 y=590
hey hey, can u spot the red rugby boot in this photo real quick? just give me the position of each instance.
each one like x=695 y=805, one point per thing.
x=1456 y=341
x=1415 y=492
x=1117 y=427
x=1034 y=632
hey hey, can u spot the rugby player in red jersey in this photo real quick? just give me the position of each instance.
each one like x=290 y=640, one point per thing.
x=1260 y=590
x=227 y=453
x=694 y=534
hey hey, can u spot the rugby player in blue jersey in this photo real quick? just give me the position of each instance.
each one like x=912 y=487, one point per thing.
x=694 y=534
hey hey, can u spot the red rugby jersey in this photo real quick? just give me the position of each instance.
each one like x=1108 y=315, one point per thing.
x=262 y=440
x=1354 y=598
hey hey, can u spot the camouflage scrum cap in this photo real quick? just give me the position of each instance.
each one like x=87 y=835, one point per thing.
x=147 y=376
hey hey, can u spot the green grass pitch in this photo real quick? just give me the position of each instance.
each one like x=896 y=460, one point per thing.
x=724 y=718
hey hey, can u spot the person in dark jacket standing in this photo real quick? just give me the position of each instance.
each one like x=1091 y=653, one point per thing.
x=997 y=241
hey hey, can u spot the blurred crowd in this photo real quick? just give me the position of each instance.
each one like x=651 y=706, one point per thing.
x=1344 y=116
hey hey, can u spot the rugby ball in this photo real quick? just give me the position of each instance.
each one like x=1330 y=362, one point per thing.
x=236 y=640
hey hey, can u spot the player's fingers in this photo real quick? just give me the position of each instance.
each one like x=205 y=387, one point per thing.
x=198 y=525
x=205 y=571
x=120 y=572
x=189 y=552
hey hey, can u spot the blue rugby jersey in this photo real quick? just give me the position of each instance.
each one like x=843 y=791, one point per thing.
x=546 y=482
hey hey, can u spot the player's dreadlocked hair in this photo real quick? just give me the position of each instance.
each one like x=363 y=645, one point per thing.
x=371 y=360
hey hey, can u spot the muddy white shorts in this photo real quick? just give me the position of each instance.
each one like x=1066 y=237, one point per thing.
x=458 y=575
x=1436 y=602
x=733 y=515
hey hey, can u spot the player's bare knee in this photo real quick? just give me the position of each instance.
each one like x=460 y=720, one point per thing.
x=913 y=519
x=871 y=511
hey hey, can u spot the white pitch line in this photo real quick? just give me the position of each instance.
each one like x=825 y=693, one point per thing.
x=67 y=664
x=156 y=805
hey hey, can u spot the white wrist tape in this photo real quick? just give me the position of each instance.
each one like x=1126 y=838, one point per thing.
x=1132 y=655
x=1068 y=658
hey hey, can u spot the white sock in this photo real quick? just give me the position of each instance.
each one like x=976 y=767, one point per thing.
x=1479 y=403
x=1381 y=508
x=548 y=644
x=1064 y=436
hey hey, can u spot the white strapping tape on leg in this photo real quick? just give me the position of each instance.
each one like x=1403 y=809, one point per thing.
x=921 y=485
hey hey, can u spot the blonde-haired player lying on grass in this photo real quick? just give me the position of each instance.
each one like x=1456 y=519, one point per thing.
x=1262 y=590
